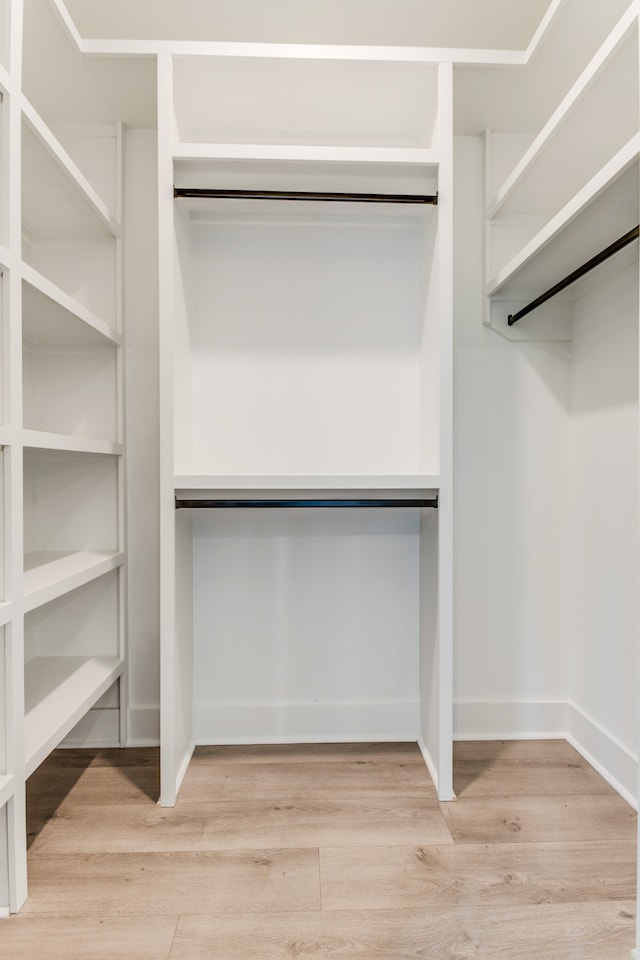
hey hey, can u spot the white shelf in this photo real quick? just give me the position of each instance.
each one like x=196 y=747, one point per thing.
x=200 y=485
x=58 y=692
x=6 y=788
x=599 y=213
x=67 y=166
x=62 y=309
x=551 y=128
x=420 y=156
x=50 y=574
x=6 y=612
x=40 y=440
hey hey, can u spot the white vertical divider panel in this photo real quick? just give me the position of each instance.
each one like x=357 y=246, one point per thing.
x=436 y=654
x=121 y=435
x=636 y=953
x=13 y=506
x=176 y=743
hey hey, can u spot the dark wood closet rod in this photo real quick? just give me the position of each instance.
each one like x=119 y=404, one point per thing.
x=207 y=194
x=599 y=258
x=226 y=504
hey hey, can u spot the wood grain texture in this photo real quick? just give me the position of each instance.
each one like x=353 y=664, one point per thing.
x=292 y=823
x=540 y=819
x=593 y=931
x=161 y=884
x=383 y=878
x=317 y=851
x=124 y=938
x=320 y=780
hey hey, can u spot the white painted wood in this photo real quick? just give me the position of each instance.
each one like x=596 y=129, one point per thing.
x=305 y=152
x=37 y=125
x=299 y=51
x=41 y=440
x=199 y=485
x=6 y=788
x=345 y=104
x=590 y=74
x=59 y=691
x=604 y=208
x=51 y=574
x=63 y=327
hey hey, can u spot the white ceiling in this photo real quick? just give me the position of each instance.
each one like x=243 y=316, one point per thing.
x=482 y=24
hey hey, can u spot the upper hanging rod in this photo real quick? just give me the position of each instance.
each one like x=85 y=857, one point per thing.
x=225 y=503
x=599 y=258
x=218 y=194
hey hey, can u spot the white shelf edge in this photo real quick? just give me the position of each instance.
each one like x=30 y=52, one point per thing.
x=67 y=302
x=61 y=575
x=41 y=440
x=7 y=785
x=389 y=482
x=421 y=156
x=6 y=612
x=5 y=258
x=70 y=687
x=57 y=152
x=7 y=435
x=617 y=36
x=5 y=79
x=304 y=51
x=579 y=202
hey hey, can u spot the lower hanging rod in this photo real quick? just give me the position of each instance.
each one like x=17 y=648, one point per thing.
x=226 y=504
x=218 y=194
x=599 y=258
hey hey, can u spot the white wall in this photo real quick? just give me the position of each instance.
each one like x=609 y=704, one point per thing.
x=511 y=433
x=546 y=545
x=604 y=571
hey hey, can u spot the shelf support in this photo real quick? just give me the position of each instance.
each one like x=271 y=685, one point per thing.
x=226 y=504
x=204 y=193
x=599 y=258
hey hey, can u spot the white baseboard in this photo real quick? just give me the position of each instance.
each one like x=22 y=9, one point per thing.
x=539 y=720
x=143 y=727
x=494 y=720
x=305 y=722
x=605 y=753
x=98 y=728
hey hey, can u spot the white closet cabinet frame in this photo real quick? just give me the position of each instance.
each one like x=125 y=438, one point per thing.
x=189 y=470
x=62 y=608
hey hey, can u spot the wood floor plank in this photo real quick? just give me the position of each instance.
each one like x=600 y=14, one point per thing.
x=382 y=878
x=320 y=780
x=124 y=938
x=165 y=884
x=96 y=785
x=547 y=750
x=590 y=931
x=295 y=823
x=532 y=777
x=540 y=819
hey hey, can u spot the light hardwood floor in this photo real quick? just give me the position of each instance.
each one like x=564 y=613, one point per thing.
x=310 y=852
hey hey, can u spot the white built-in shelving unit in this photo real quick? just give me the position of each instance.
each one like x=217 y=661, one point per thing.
x=306 y=355
x=63 y=644
x=559 y=193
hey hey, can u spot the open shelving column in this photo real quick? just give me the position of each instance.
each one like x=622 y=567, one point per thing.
x=62 y=618
x=327 y=142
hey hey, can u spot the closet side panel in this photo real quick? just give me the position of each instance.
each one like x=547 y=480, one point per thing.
x=143 y=535
x=604 y=522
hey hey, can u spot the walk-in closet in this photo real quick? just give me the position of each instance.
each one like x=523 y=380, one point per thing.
x=319 y=420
